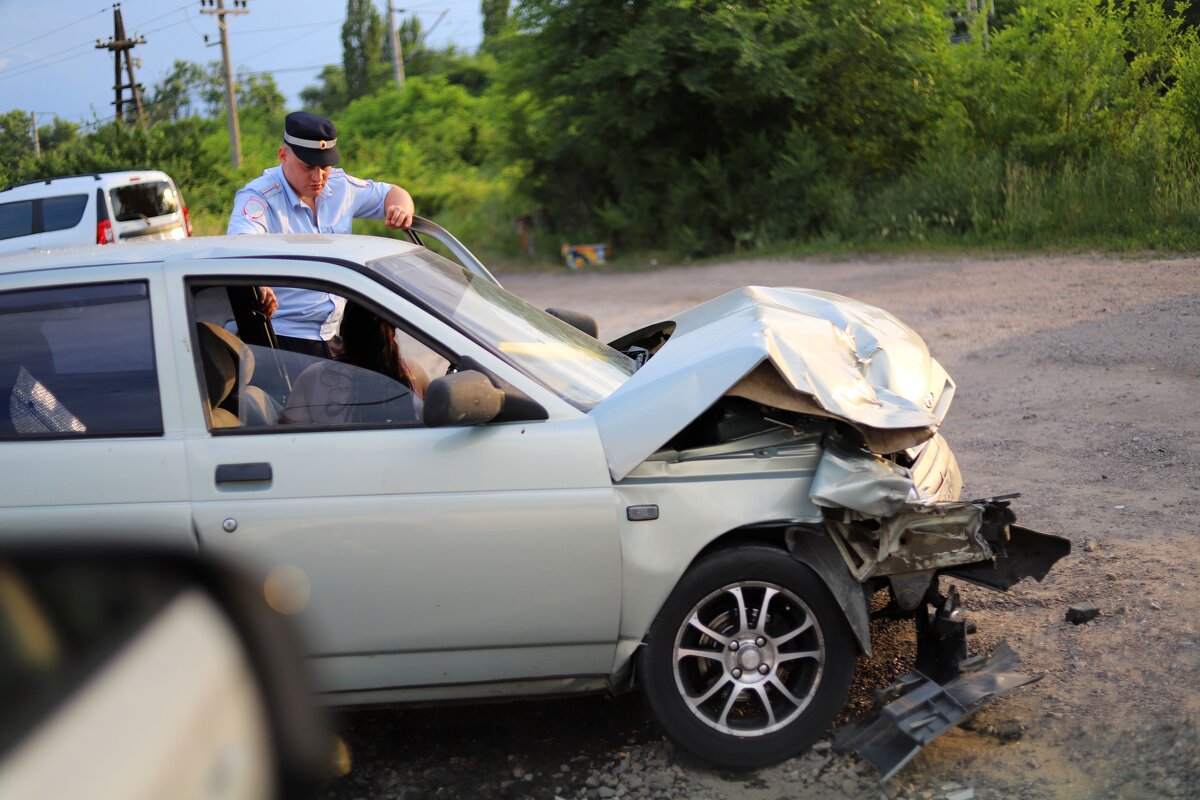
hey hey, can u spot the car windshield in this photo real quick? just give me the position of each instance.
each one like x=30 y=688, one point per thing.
x=563 y=359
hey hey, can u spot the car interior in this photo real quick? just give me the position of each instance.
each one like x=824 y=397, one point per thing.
x=250 y=380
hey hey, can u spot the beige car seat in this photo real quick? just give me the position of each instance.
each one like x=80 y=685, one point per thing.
x=228 y=370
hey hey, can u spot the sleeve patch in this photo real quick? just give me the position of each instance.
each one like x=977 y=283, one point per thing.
x=254 y=209
x=358 y=181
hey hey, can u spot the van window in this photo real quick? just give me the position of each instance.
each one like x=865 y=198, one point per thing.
x=78 y=361
x=16 y=219
x=61 y=213
x=144 y=200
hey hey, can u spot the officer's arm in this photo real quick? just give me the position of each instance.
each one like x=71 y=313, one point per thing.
x=398 y=208
x=249 y=214
x=380 y=200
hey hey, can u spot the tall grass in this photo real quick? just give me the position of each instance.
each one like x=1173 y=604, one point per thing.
x=1146 y=201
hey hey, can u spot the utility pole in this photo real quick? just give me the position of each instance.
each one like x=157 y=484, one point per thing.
x=397 y=56
x=985 y=10
x=37 y=146
x=235 y=135
x=120 y=45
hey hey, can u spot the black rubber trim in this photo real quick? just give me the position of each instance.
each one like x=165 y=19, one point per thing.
x=244 y=473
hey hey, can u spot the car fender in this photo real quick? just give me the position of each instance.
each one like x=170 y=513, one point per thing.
x=813 y=548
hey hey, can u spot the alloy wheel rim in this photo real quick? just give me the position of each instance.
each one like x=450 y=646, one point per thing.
x=748 y=658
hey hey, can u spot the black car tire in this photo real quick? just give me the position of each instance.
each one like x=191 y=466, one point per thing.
x=791 y=671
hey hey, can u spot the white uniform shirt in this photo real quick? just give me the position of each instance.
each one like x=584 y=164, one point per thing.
x=269 y=205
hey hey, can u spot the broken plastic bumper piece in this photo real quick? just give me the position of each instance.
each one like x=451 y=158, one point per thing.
x=919 y=710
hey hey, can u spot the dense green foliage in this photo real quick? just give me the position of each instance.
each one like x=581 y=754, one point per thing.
x=703 y=127
x=700 y=125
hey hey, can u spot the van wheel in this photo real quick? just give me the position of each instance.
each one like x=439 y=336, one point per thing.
x=749 y=660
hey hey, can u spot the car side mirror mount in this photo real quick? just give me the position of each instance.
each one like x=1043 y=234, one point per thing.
x=462 y=398
x=576 y=319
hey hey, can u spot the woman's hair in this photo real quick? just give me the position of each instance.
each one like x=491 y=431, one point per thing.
x=368 y=341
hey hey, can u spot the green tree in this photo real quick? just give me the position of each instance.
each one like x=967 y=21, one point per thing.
x=16 y=132
x=438 y=141
x=702 y=124
x=329 y=95
x=180 y=148
x=211 y=88
x=173 y=97
x=473 y=72
x=495 y=18
x=1066 y=78
x=258 y=92
x=58 y=133
x=190 y=87
x=363 y=35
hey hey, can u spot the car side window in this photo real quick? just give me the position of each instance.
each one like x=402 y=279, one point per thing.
x=374 y=374
x=78 y=361
x=61 y=213
x=16 y=219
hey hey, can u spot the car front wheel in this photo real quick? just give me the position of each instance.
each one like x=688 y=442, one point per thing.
x=749 y=659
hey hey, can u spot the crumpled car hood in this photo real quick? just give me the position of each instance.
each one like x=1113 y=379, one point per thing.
x=794 y=349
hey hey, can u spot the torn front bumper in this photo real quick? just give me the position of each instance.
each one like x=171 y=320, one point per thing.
x=976 y=541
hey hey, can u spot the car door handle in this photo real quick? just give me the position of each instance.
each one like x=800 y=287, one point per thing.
x=258 y=472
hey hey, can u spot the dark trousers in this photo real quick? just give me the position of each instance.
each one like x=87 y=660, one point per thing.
x=309 y=347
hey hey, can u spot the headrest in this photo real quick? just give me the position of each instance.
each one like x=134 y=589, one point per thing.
x=223 y=355
x=22 y=344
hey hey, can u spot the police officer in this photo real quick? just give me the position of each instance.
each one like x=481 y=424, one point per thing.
x=307 y=194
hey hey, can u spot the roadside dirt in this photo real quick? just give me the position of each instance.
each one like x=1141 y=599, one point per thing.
x=1078 y=386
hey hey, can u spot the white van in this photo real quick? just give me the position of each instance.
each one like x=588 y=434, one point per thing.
x=100 y=208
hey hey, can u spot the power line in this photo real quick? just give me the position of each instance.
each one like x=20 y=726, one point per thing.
x=169 y=13
x=36 y=64
x=281 y=45
x=56 y=30
x=23 y=71
x=290 y=27
x=24 y=67
x=290 y=69
x=169 y=25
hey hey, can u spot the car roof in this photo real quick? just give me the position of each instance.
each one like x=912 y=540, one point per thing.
x=101 y=180
x=330 y=247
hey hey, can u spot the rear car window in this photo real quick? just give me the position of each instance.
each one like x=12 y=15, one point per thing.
x=78 y=361
x=144 y=200
x=61 y=213
x=16 y=219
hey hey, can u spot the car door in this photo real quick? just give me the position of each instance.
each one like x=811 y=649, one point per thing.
x=414 y=556
x=90 y=447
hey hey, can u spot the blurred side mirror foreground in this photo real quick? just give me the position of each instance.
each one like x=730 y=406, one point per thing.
x=137 y=674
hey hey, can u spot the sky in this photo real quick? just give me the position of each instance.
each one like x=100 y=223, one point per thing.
x=49 y=63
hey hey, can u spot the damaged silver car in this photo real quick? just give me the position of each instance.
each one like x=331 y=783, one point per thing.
x=830 y=409
x=703 y=508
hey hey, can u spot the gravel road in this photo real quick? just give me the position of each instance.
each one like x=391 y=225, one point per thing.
x=1078 y=386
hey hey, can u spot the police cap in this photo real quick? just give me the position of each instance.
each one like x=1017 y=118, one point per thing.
x=311 y=137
